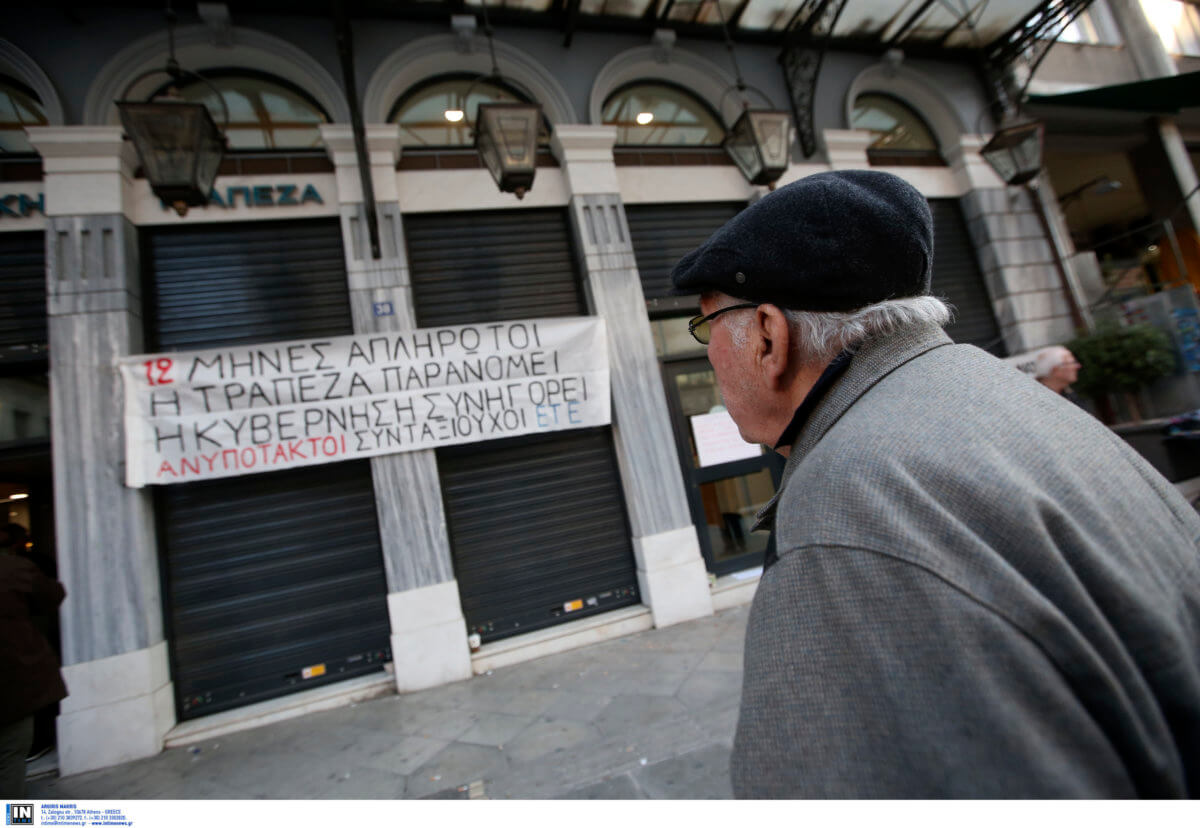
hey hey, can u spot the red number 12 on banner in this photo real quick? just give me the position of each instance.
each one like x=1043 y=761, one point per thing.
x=163 y=366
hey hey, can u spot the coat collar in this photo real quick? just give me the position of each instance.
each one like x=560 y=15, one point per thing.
x=871 y=363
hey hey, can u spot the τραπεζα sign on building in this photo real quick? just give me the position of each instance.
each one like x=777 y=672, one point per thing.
x=256 y=408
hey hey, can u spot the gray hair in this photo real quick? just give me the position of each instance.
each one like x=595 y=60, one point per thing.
x=819 y=336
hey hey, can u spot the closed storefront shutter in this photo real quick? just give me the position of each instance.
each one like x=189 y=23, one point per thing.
x=274 y=581
x=538 y=528
x=663 y=233
x=957 y=278
x=510 y=264
x=239 y=284
x=22 y=292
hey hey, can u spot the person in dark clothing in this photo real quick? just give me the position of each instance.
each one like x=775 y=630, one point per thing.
x=32 y=679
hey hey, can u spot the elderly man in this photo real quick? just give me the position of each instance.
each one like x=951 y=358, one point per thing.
x=980 y=591
x=1056 y=368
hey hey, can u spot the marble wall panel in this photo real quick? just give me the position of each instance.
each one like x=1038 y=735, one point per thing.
x=412 y=520
x=1004 y=226
x=995 y=200
x=1005 y=281
x=104 y=531
x=408 y=495
x=650 y=473
x=1031 y=306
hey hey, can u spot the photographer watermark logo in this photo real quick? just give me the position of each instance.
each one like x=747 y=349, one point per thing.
x=16 y=814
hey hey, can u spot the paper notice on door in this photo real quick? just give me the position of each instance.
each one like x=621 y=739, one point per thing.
x=718 y=441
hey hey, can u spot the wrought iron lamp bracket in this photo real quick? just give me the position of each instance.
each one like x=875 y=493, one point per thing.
x=801 y=60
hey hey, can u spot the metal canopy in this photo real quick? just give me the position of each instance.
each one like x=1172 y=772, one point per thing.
x=991 y=34
x=938 y=25
x=1166 y=95
x=917 y=26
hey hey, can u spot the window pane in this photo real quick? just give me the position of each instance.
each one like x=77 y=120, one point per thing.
x=424 y=115
x=263 y=114
x=671 y=337
x=894 y=125
x=729 y=509
x=657 y=114
x=18 y=109
x=24 y=409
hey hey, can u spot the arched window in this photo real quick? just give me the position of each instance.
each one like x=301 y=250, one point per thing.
x=661 y=114
x=901 y=136
x=19 y=108
x=435 y=113
x=265 y=113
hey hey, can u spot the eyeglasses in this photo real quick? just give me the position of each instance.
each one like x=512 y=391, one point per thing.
x=701 y=330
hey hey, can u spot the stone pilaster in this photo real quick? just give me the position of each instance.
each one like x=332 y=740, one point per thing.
x=1016 y=256
x=670 y=568
x=115 y=658
x=1152 y=60
x=1018 y=268
x=847 y=148
x=429 y=633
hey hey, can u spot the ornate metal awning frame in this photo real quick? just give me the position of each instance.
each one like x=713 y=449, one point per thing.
x=1018 y=51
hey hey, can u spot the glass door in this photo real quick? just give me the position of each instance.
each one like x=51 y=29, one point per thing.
x=727 y=479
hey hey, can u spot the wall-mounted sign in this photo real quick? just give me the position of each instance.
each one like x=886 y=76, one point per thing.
x=22 y=205
x=217 y=413
x=718 y=440
x=262 y=195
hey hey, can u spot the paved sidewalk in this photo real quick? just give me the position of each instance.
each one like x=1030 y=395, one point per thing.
x=647 y=716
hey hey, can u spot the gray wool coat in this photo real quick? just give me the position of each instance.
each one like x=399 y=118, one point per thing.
x=981 y=592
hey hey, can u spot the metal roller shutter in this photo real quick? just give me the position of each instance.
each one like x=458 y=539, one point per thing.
x=956 y=277
x=538 y=526
x=663 y=233
x=23 y=309
x=536 y=523
x=223 y=284
x=479 y=267
x=268 y=574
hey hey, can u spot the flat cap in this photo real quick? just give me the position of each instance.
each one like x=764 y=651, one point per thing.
x=834 y=241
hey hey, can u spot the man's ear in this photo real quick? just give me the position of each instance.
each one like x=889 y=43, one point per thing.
x=774 y=343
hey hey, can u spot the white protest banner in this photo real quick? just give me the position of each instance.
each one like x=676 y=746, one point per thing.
x=258 y=408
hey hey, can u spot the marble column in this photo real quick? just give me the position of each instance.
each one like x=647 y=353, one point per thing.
x=670 y=568
x=1152 y=60
x=121 y=702
x=429 y=633
x=1020 y=263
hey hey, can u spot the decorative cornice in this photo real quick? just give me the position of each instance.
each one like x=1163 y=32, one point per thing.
x=79 y=142
x=584 y=142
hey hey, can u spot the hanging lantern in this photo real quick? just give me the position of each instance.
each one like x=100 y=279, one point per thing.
x=506 y=136
x=179 y=146
x=1015 y=152
x=758 y=144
